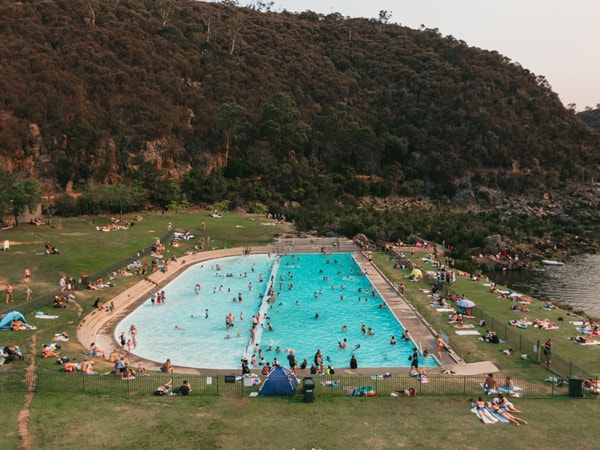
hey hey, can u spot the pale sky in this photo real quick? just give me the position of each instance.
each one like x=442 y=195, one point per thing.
x=558 y=39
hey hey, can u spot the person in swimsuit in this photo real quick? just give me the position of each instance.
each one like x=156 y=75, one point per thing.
x=508 y=416
x=441 y=345
x=484 y=413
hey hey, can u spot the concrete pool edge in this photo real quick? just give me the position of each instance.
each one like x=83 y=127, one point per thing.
x=99 y=326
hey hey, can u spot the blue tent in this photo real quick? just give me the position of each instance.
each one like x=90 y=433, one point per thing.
x=8 y=319
x=280 y=381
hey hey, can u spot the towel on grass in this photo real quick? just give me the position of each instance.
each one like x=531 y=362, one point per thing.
x=467 y=332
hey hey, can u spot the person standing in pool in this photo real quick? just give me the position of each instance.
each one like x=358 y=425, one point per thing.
x=123 y=341
x=414 y=359
x=353 y=362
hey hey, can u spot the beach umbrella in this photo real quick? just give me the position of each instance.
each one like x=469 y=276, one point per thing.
x=465 y=303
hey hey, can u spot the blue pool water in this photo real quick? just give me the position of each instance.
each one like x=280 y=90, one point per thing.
x=179 y=330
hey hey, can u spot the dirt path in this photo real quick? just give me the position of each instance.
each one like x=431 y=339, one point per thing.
x=30 y=379
x=77 y=307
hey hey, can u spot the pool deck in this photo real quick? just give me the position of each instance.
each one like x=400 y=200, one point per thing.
x=98 y=326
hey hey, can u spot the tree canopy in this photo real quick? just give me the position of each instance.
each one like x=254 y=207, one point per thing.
x=221 y=102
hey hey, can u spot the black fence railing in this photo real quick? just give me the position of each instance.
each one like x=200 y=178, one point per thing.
x=533 y=349
x=559 y=365
x=328 y=386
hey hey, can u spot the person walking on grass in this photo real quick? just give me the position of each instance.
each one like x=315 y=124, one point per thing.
x=548 y=350
x=9 y=294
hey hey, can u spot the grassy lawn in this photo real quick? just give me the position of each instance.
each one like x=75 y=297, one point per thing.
x=472 y=349
x=137 y=421
x=84 y=250
x=60 y=421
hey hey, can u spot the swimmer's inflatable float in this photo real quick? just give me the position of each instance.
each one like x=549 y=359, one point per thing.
x=516 y=323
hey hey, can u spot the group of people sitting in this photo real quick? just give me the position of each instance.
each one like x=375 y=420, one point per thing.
x=491 y=337
x=589 y=327
x=11 y=353
x=61 y=301
x=98 y=284
x=456 y=317
x=51 y=249
x=19 y=325
x=491 y=385
x=167 y=388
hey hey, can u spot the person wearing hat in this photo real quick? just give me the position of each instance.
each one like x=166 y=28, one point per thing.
x=292 y=361
x=245 y=368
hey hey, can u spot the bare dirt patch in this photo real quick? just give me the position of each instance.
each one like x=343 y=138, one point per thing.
x=30 y=379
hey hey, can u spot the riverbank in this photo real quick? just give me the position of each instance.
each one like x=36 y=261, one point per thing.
x=469 y=346
x=571 y=286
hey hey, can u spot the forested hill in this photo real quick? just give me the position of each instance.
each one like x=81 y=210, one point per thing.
x=591 y=117
x=250 y=105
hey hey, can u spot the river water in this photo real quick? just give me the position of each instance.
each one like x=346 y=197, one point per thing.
x=577 y=283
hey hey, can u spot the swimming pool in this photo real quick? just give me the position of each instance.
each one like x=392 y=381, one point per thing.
x=315 y=295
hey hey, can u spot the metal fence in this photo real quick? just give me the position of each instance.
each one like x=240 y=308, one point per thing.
x=533 y=349
x=559 y=365
x=327 y=386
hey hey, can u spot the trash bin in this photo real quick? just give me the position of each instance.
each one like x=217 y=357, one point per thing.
x=575 y=384
x=308 y=389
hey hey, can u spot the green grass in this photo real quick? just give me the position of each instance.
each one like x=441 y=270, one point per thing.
x=472 y=349
x=78 y=421
x=85 y=250
x=70 y=420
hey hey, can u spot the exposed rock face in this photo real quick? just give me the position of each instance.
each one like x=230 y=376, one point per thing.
x=153 y=153
x=362 y=241
x=464 y=197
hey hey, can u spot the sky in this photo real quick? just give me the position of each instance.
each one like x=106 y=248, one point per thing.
x=557 y=39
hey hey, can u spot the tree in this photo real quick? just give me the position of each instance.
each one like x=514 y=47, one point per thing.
x=178 y=205
x=384 y=18
x=165 y=8
x=24 y=194
x=262 y=6
x=231 y=118
x=49 y=189
x=235 y=28
x=281 y=126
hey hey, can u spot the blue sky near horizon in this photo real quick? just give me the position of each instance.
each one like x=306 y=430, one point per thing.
x=552 y=38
